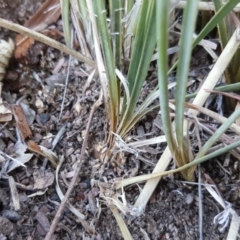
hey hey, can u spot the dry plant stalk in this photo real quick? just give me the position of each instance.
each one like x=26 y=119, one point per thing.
x=205 y=6
x=46 y=40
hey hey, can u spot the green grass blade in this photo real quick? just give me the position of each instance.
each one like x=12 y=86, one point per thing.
x=65 y=7
x=226 y=88
x=129 y=22
x=221 y=25
x=237 y=76
x=144 y=45
x=162 y=19
x=218 y=133
x=135 y=118
x=145 y=42
x=188 y=27
x=116 y=13
x=100 y=12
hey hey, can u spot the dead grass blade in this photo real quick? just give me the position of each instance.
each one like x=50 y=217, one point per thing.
x=47 y=14
x=80 y=32
x=205 y=6
x=213 y=115
x=125 y=232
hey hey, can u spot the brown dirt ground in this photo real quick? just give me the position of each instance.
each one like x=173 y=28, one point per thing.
x=172 y=212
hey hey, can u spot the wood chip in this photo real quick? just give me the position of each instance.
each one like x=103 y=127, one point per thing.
x=21 y=122
x=43 y=220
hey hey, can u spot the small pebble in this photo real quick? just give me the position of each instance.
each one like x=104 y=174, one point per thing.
x=11 y=215
x=189 y=198
x=44 y=117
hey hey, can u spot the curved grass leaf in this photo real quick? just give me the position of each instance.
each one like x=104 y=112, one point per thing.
x=221 y=25
x=226 y=88
x=116 y=13
x=144 y=45
x=101 y=12
x=65 y=7
x=219 y=132
x=185 y=50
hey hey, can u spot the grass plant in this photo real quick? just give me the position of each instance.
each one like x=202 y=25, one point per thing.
x=119 y=38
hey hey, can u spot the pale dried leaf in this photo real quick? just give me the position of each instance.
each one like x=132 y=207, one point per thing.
x=45 y=152
x=47 y=14
x=28 y=112
x=38 y=193
x=6 y=51
x=21 y=156
x=5 y=113
x=42 y=182
x=14 y=193
x=234 y=227
x=2 y=159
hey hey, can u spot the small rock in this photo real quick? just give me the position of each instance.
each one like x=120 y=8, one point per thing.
x=189 y=198
x=44 y=118
x=11 y=215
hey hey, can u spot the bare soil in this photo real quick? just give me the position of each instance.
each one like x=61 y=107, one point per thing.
x=172 y=212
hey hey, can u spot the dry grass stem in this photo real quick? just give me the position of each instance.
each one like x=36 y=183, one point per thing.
x=48 y=41
x=205 y=6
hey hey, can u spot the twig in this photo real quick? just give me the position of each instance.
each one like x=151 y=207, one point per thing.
x=66 y=80
x=79 y=166
x=47 y=40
